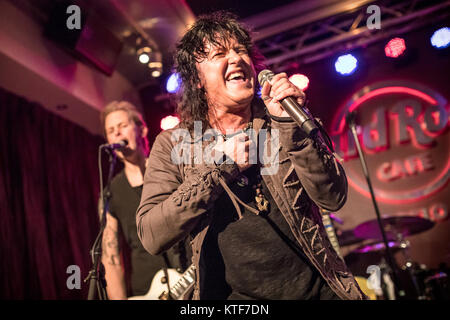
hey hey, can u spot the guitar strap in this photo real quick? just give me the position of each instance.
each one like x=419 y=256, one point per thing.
x=329 y=228
x=182 y=255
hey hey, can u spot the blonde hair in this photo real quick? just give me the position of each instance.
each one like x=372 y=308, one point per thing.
x=133 y=115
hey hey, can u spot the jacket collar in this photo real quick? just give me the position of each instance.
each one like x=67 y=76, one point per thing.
x=259 y=114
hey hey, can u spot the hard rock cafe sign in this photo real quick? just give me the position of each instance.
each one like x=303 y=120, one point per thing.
x=403 y=130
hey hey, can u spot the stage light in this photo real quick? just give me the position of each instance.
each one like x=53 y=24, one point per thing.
x=144 y=54
x=301 y=81
x=156 y=73
x=346 y=64
x=169 y=122
x=441 y=38
x=173 y=83
x=155 y=65
x=395 y=47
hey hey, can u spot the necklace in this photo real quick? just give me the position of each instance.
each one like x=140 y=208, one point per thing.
x=262 y=203
x=247 y=127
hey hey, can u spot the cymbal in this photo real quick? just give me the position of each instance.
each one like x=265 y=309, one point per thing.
x=393 y=227
x=369 y=254
x=376 y=247
x=347 y=237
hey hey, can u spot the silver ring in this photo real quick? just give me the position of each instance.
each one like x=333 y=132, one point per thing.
x=266 y=98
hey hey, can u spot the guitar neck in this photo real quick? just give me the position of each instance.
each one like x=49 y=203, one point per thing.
x=329 y=228
x=183 y=285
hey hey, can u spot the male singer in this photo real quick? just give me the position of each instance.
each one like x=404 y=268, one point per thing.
x=254 y=235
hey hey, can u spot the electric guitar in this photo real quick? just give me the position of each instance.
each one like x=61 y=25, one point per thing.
x=179 y=284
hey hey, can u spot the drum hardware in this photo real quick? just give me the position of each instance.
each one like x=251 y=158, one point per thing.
x=437 y=286
x=387 y=285
x=396 y=229
x=409 y=266
x=371 y=256
x=393 y=226
x=420 y=283
x=347 y=237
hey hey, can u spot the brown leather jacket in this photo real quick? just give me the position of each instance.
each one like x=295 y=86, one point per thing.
x=177 y=199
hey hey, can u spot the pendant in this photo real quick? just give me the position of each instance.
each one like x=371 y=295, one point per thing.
x=262 y=203
x=242 y=181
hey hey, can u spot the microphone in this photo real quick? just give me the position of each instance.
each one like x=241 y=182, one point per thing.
x=114 y=146
x=290 y=104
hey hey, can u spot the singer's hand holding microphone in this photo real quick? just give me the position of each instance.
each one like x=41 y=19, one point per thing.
x=283 y=99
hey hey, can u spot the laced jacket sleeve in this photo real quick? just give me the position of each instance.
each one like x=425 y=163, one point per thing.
x=318 y=171
x=172 y=201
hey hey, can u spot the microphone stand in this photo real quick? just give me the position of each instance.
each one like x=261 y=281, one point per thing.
x=96 y=277
x=350 y=119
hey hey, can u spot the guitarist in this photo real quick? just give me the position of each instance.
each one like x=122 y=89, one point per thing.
x=122 y=121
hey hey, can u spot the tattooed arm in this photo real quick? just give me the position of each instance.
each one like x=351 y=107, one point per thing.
x=111 y=259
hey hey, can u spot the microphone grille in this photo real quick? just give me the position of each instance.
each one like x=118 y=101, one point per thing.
x=265 y=75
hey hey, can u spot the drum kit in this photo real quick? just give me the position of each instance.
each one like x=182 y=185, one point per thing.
x=414 y=280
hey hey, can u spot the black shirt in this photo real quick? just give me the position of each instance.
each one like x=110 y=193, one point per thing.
x=256 y=257
x=123 y=205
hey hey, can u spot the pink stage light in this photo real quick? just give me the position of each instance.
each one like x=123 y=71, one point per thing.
x=300 y=81
x=395 y=48
x=169 y=122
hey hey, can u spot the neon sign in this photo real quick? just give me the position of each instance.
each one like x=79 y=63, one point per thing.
x=404 y=134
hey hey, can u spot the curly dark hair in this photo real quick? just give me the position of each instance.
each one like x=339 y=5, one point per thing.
x=215 y=28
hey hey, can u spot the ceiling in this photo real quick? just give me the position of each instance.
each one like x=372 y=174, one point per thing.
x=166 y=21
x=243 y=9
x=159 y=23
x=286 y=30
